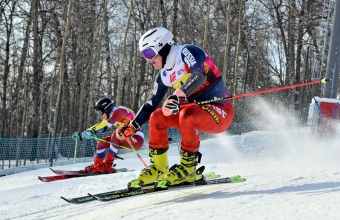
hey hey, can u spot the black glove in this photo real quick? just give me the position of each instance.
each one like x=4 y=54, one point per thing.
x=171 y=105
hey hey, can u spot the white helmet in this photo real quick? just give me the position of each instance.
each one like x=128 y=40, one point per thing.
x=153 y=41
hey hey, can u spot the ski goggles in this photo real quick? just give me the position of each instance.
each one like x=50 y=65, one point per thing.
x=149 y=53
x=99 y=112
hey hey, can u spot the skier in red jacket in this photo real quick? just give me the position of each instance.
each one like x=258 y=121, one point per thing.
x=112 y=116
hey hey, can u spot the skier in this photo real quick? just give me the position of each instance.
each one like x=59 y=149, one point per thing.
x=194 y=76
x=111 y=115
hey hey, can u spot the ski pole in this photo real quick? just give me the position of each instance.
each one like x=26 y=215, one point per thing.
x=281 y=88
x=128 y=139
x=102 y=140
x=138 y=155
x=256 y=93
x=75 y=154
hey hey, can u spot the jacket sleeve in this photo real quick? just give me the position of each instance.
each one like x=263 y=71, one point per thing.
x=194 y=57
x=99 y=127
x=152 y=103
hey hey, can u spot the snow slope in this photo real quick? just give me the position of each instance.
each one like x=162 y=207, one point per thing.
x=289 y=176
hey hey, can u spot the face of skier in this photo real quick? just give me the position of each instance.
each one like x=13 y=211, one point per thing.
x=156 y=62
x=104 y=116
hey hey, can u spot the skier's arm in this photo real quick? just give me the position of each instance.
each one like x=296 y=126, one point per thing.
x=143 y=115
x=194 y=57
x=99 y=127
x=91 y=131
x=153 y=102
x=120 y=116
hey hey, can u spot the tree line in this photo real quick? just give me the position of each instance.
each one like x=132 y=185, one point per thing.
x=57 y=58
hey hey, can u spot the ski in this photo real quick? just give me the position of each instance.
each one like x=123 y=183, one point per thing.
x=89 y=198
x=57 y=177
x=68 y=174
x=152 y=189
x=82 y=172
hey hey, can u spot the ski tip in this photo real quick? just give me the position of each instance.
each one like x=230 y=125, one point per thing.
x=244 y=179
x=65 y=199
x=42 y=179
x=237 y=179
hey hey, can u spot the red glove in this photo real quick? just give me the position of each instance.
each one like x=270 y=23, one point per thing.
x=126 y=131
x=126 y=120
x=172 y=105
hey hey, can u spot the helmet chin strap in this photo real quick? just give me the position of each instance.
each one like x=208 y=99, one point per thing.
x=171 y=58
x=164 y=53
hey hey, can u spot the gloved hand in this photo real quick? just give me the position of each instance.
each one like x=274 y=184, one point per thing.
x=76 y=136
x=172 y=104
x=87 y=134
x=83 y=135
x=126 y=120
x=126 y=131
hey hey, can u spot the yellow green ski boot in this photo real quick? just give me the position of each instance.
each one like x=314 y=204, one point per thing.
x=185 y=172
x=158 y=168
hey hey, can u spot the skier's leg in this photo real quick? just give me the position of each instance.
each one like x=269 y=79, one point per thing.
x=137 y=140
x=207 y=118
x=100 y=154
x=158 y=148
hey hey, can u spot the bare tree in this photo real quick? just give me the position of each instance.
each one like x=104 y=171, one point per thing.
x=227 y=45
x=121 y=72
x=62 y=66
x=175 y=18
x=20 y=82
x=8 y=25
x=108 y=59
x=239 y=43
x=95 y=70
x=37 y=71
x=206 y=27
x=87 y=41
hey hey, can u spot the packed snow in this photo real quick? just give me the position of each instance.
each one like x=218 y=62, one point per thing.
x=296 y=179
